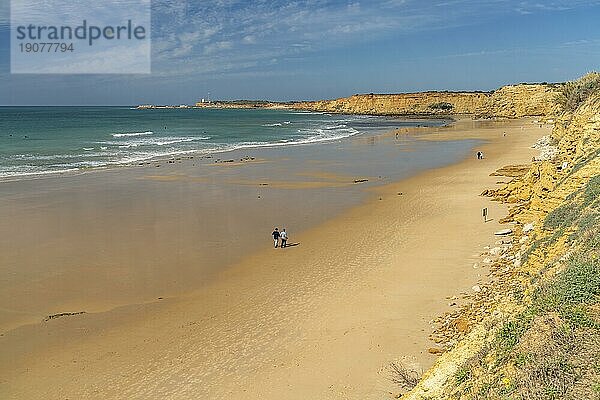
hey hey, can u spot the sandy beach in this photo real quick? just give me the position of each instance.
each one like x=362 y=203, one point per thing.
x=320 y=320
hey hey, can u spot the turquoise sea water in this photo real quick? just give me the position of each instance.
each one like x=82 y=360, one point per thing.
x=43 y=140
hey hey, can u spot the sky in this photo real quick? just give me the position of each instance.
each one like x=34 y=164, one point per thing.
x=317 y=49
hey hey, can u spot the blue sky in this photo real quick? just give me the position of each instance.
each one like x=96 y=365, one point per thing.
x=310 y=49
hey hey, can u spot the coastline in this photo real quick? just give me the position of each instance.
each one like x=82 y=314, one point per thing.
x=532 y=315
x=112 y=237
x=334 y=312
x=97 y=153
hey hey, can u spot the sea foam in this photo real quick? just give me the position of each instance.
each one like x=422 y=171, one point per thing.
x=118 y=135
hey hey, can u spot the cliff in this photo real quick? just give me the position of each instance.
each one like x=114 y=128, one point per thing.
x=533 y=331
x=509 y=101
x=396 y=104
x=516 y=101
x=242 y=104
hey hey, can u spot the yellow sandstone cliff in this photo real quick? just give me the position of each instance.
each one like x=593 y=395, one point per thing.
x=408 y=103
x=509 y=101
x=540 y=313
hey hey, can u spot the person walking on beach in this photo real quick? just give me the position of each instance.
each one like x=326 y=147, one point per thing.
x=284 y=238
x=276 y=235
x=479 y=155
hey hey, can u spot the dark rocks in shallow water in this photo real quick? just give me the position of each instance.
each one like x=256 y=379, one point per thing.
x=65 y=314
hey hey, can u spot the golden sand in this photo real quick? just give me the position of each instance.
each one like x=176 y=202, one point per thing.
x=319 y=320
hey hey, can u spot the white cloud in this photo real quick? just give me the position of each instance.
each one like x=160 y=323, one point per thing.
x=532 y=7
x=249 y=39
x=232 y=35
x=276 y=26
x=212 y=48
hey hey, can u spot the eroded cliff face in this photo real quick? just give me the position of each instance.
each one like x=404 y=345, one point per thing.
x=510 y=102
x=516 y=101
x=540 y=312
x=409 y=103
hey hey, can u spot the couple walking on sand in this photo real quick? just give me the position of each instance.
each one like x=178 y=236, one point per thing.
x=280 y=235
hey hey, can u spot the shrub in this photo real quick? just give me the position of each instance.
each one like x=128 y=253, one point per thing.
x=574 y=288
x=592 y=191
x=442 y=106
x=406 y=378
x=463 y=375
x=510 y=334
x=562 y=217
x=574 y=93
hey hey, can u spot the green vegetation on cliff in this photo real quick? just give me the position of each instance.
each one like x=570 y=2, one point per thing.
x=575 y=93
x=549 y=350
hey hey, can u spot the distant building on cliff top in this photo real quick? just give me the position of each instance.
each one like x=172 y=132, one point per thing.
x=204 y=102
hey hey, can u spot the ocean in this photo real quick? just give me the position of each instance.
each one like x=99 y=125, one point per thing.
x=48 y=140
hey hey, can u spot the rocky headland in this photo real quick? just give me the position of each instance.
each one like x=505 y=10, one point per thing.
x=509 y=101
